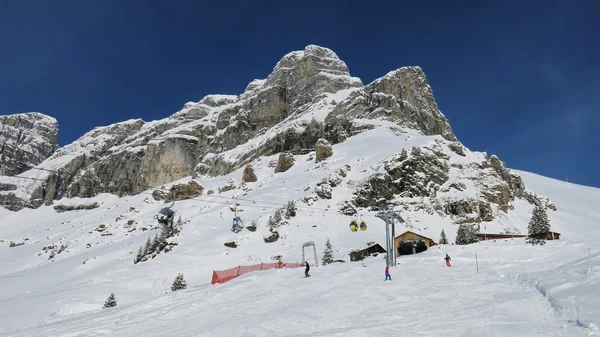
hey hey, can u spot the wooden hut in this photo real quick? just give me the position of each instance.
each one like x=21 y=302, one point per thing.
x=374 y=249
x=410 y=242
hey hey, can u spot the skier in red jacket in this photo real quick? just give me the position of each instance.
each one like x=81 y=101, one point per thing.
x=447 y=258
x=387 y=273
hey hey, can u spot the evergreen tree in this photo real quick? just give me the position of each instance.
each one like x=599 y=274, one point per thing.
x=466 y=234
x=179 y=283
x=290 y=209
x=539 y=227
x=111 y=301
x=147 y=247
x=271 y=224
x=139 y=256
x=443 y=238
x=277 y=216
x=154 y=245
x=328 y=253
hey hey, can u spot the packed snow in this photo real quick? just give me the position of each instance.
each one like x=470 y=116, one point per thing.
x=494 y=288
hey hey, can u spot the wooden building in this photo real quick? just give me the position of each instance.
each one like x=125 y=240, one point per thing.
x=493 y=236
x=412 y=243
x=374 y=249
x=414 y=237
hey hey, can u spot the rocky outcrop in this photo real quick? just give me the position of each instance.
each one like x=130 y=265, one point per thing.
x=249 y=176
x=429 y=178
x=284 y=163
x=26 y=140
x=418 y=174
x=323 y=150
x=184 y=191
x=406 y=96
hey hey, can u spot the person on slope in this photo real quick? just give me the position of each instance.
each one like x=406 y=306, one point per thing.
x=387 y=273
x=307 y=269
x=447 y=258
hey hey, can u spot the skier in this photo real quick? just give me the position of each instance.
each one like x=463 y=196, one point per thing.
x=306 y=270
x=447 y=258
x=387 y=273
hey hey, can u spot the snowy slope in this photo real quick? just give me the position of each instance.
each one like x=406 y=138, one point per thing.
x=516 y=292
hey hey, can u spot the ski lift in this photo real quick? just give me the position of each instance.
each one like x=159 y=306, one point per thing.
x=165 y=215
x=353 y=226
x=238 y=225
x=363 y=226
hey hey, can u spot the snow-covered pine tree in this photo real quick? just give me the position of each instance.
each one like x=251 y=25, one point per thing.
x=147 y=246
x=271 y=224
x=139 y=256
x=290 y=209
x=111 y=301
x=443 y=238
x=328 y=253
x=155 y=242
x=179 y=283
x=539 y=227
x=466 y=234
x=277 y=216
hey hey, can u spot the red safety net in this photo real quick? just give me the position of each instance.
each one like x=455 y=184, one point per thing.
x=222 y=276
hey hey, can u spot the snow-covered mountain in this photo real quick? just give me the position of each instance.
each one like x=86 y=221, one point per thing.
x=309 y=95
x=311 y=139
x=58 y=264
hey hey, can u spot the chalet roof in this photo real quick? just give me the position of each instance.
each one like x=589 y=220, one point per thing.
x=415 y=233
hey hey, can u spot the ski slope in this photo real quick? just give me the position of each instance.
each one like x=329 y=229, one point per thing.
x=512 y=289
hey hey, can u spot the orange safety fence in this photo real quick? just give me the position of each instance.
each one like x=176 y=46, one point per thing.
x=222 y=276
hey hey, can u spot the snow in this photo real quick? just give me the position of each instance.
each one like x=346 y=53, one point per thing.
x=519 y=289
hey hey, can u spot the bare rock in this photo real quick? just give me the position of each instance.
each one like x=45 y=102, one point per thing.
x=285 y=162
x=160 y=195
x=26 y=140
x=184 y=191
x=249 y=176
x=323 y=150
x=457 y=148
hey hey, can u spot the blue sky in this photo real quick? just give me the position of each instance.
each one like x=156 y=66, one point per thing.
x=515 y=78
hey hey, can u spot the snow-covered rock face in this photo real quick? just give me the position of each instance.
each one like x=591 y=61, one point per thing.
x=310 y=95
x=26 y=140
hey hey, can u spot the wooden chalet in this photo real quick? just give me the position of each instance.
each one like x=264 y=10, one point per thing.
x=374 y=249
x=494 y=236
x=410 y=242
x=414 y=237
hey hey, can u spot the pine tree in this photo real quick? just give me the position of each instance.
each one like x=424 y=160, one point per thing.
x=147 y=246
x=179 y=283
x=539 y=227
x=139 y=256
x=277 y=216
x=290 y=209
x=328 y=253
x=466 y=234
x=271 y=224
x=443 y=238
x=154 y=245
x=111 y=301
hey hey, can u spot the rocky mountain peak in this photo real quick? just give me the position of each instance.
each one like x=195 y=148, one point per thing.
x=26 y=139
x=310 y=98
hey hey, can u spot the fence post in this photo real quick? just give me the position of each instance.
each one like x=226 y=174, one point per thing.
x=261 y=266
x=238 y=272
x=476 y=262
